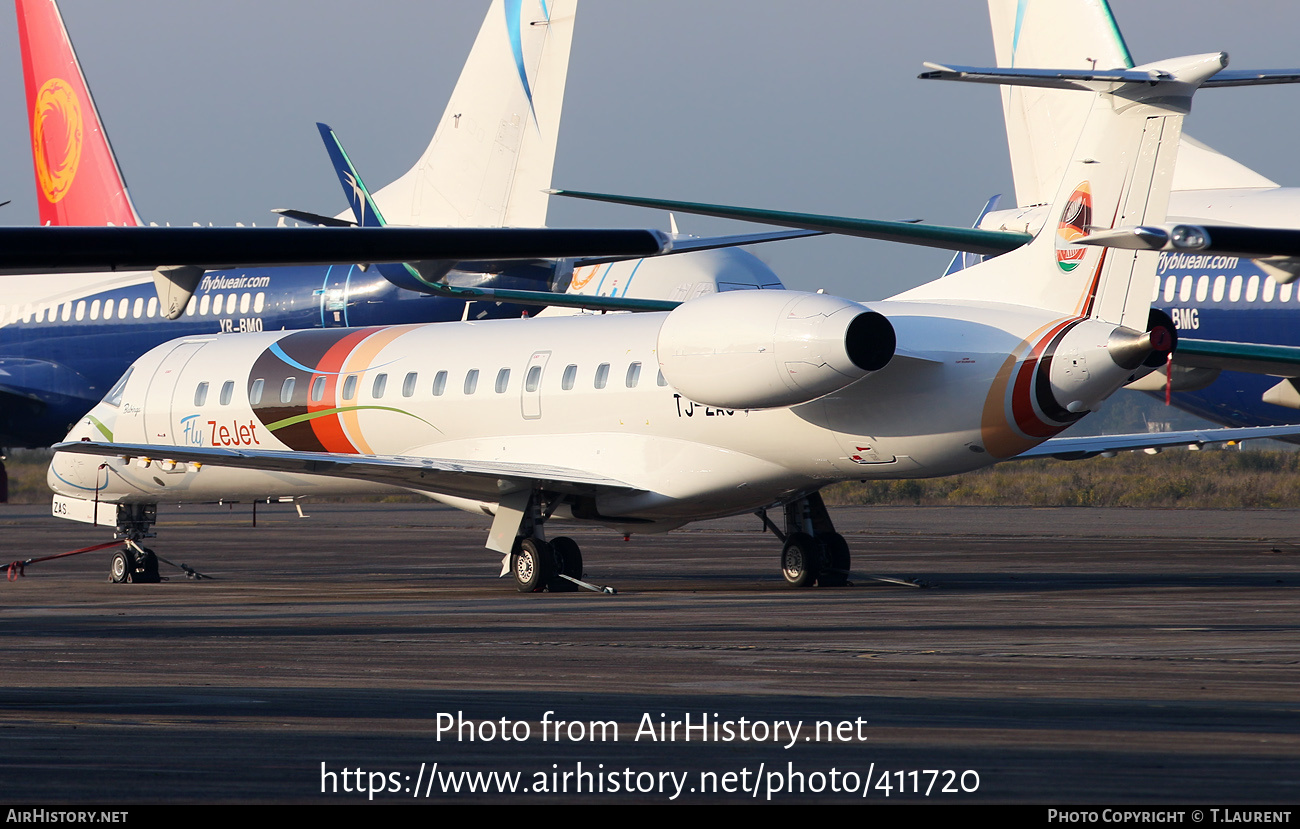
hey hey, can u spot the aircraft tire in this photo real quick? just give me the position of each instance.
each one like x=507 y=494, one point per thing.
x=121 y=568
x=568 y=561
x=532 y=563
x=147 y=572
x=799 y=560
x=837 y=560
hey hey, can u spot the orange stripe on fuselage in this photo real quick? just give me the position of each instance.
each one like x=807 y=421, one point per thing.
x=327 y=428
x=358 y=362
x=1022 y=393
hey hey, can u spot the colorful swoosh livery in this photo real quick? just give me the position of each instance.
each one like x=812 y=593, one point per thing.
x=1020 y=410
x=311 y=382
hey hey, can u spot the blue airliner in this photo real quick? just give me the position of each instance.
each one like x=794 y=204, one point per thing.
x=65 y=338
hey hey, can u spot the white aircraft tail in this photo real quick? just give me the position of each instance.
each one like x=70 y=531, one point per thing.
x=1119 y=174
x=1043 y=124
x=491 y=157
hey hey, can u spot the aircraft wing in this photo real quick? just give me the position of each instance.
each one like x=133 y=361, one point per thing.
x=92 y=249
x=683 y=244
x=1078 y=448
x=479 y=480
x=971 y=240
x=1252 y=358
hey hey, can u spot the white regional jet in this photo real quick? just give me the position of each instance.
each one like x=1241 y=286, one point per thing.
x=730 y=403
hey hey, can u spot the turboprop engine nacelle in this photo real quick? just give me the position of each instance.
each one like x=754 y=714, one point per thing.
x=766 y=349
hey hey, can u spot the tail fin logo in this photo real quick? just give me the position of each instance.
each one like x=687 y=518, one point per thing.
x=57 y=136
x=1076 y=219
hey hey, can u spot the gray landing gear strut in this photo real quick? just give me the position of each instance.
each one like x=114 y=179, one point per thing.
x=134 y=562
x=811 y=552
x=536 y=564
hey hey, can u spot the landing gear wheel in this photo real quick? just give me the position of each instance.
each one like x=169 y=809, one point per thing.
x=533 y=563
x=147 y=568
x=568 y=560
x=837 y=560
x=122 y=567
x=800 y=558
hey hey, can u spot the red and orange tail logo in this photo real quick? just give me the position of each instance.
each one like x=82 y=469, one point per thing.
x=77 y=179
x=1076 y=218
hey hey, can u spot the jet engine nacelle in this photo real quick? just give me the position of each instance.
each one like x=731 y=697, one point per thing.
x=766 y=349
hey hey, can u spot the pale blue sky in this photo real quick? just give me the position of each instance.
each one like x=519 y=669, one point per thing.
x=811 y=106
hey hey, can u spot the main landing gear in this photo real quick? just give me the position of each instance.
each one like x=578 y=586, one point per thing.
x=538 y=564
x=811 y=552
x=535 y=563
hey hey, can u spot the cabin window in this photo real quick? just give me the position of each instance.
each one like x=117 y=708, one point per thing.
x=317 y=388
x=152 y=310
x=602 y=375
x=1171 y=285
x=94 y=311
x=439 y=383
x=286 y=389
x=1185 y=291
x=255 y=391
x=1252 y=289
x=1234 y=288
x=1219 y=282
x=471 y=381
x=570 y=377
x=377 y=388
x=1284 y=293
x=65 y=316
x=1269 y=288
x=201 y=394
x=1155 y=289
x=533 y=379
x=259 y=302
x=227 y=392
x=114 y=396
x=408 y=385
x=245 y=300
x=81 y=311
x=503 y=380
x=660 y=380
x=350 y=387
x=190 y=306
x=633 y=375
x=1202 y=288
x=205 y=304
x=218 y=305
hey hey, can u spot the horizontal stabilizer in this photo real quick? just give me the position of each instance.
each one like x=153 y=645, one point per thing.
x=1233 y=240
x=1097 y=79
x=1079 y=448
x=312 y=218
x=87 y=249
x=687 y=244
x=971 y=240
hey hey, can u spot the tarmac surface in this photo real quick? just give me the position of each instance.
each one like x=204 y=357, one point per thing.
x=1053 y=656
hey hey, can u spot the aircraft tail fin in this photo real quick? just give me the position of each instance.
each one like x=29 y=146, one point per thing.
x=77 y=178
x=1119 y=174
x=1043 y=124
x=358 y=195
x=492 y=154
